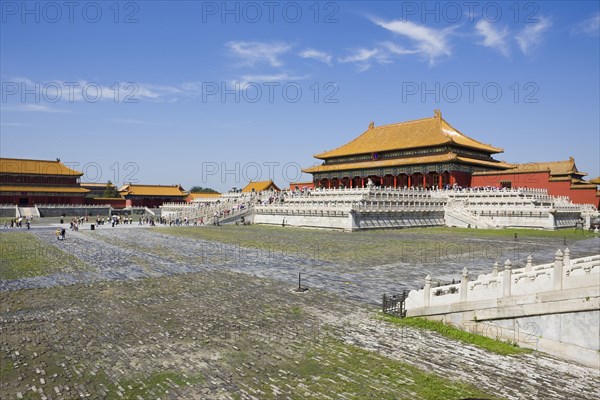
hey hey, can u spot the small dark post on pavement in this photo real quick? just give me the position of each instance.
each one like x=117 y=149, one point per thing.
x=300 y=289
x=565 y=240
x=516 y=236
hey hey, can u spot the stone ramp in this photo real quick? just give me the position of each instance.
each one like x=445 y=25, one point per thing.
x=535 y=376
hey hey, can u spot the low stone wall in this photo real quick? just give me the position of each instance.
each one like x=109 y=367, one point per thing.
x=552 y=307
x=563 y=324
x=73 y=211
x=340 y=221
x=8 y=212
x=386 y=220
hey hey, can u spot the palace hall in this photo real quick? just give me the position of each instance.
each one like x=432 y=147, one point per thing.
x=424 y=153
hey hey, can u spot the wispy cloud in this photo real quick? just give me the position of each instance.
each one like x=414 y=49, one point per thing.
x=393 y=48
x=590 y=26
x=245 y=80
x=531 y=36
x=361 y=57
x=36 y=108
x=429 y=42
x=493 y=36
x=317 y=55
x=74 y=91
x=254 y=53
x=18 y=124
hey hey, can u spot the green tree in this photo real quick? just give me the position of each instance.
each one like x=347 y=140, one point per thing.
x=110 y=190
x=200 y=189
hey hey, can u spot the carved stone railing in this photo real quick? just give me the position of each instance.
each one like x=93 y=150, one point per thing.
x=563 y=273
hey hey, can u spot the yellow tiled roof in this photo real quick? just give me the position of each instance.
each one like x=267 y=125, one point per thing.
x=556 y=169
x=95 y=184
x=446 y=157
x=595 y=181
x=43 y=189
x=260 y=186
x=426 y=132
x=565 y=167
x=204 y=195
x=35 y=167
x=152 y=190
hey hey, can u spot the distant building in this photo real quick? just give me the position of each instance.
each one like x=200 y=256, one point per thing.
x=260 y=186
x=560 y=178
x=301 y=185
x=152 y=196
x=203 y=197
x=427 y=152
x=26 y=182
x=96 y=189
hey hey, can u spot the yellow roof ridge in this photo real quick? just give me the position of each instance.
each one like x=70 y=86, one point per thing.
x=35 y=167
x=412 y=121
x=468 y=137
x=30 y=159
x=143 y=184
x=372 y=126
x=419 y=133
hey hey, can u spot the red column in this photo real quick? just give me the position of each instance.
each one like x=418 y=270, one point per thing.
x=395 y=181
x=424 y=181
x=440 y=181
x=408 y=184
x=363 y=182
x=350 y=183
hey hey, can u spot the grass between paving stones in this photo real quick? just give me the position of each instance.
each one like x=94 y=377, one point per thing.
x=484 y=342
x=157 y=384
x=385 y=246
x=339 y=370
x=572 y=234
x=23 y=255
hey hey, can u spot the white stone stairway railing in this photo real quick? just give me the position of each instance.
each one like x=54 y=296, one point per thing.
x=562 y=274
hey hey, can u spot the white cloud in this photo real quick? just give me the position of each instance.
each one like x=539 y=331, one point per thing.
x=245 y=80
x=20 y=124
x=361 y=57
x=395 y=49
x=492 y=37
x=317 y=55
x=429 y=42
x=532 y=35
x=590 y=26
x=74 y=91
x=37 y=108
x=253 y=53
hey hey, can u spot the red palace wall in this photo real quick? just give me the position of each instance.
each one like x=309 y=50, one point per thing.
x=11 y=199
x=462 y=179
x=152 y=202
x=539 y=180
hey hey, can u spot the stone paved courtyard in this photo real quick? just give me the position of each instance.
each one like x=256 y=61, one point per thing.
x=159 y=315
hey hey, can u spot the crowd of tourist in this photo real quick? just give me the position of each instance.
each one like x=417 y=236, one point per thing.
x=18 y=223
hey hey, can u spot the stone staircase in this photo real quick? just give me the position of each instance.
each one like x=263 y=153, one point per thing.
x=456 y=214
x=29 y=212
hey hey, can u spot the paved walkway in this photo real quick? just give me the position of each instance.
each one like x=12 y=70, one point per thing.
x=194 y=305
x=121 y=254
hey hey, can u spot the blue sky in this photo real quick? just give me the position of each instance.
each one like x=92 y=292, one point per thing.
x=214 y=94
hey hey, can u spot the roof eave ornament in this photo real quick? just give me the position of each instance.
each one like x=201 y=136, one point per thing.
x=372 y=125
x=437 y=113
